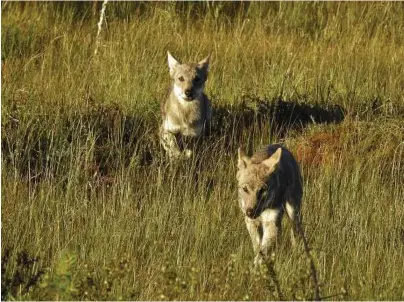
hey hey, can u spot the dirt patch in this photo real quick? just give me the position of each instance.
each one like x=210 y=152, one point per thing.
x=320 y=149
x=377 y=143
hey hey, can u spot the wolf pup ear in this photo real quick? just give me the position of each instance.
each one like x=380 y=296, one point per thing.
x=273 y=161
x=205 y=63
x=172 y=62
x=243 y=160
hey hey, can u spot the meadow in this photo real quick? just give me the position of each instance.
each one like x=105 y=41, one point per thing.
x=92 y=209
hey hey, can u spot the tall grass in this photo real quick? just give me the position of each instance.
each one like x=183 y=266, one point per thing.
x=86 y=188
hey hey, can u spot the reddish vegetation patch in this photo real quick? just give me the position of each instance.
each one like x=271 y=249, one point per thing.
x=320 y=148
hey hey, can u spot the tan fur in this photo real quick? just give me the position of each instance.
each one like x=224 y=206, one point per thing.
x=186 y=113
x=269 y=182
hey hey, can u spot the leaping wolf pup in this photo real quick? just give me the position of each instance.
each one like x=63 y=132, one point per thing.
x=269 y=182
x=187 y=111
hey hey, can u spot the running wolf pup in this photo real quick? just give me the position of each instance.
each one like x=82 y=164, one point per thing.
x=269 y=182
x=187 y=111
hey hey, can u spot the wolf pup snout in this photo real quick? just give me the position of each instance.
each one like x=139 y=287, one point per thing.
x=250 y=212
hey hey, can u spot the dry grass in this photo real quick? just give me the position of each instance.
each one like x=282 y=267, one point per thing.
x=86 y=188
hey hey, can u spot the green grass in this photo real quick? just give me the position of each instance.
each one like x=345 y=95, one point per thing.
x=87 y=189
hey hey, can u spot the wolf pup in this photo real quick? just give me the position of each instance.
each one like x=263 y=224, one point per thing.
x=269 y=182
x=187 y=111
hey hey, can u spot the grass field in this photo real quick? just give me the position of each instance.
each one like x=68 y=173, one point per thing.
x=92 y=209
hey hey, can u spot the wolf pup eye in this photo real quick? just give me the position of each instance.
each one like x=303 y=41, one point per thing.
x=245 y=189
x=181 y=79
x=197 y=79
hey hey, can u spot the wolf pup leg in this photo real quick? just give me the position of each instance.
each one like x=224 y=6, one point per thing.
x=170 y=144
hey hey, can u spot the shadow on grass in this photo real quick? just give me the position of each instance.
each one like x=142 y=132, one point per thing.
x=280 y=116
x=110 y=139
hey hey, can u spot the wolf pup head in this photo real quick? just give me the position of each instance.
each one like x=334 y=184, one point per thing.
x=256 y=182
x=189 y=79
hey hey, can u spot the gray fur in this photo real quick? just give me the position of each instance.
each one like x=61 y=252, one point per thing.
x=186 y=113
x=269 y=183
